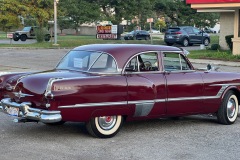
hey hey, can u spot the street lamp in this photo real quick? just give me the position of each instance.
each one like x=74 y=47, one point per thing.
x=55 y=22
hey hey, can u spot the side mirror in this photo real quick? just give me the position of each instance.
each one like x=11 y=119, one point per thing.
x=212 y=68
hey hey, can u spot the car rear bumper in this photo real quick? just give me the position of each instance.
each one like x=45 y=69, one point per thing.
x=172 y=40
x=28 y=113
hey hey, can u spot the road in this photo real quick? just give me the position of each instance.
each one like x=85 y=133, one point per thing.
x=9 y=41
x=188 y=138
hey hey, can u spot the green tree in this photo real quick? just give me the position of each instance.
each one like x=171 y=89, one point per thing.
x=160 y=24
x=117 y=10
x=9 y=14
x=11 y=10
x=41 y=10
x=79 y=11
x=177 y=12
x=64 y=23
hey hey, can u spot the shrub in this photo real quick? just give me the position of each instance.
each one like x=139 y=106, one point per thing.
x=40 y=34
x=215 y=47
x=228 y=39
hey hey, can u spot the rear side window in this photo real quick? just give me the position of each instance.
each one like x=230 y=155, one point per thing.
x=173 y=30
x=175 y=62
x=188 y=30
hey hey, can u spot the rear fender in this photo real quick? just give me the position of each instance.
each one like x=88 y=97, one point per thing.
x=111 y=112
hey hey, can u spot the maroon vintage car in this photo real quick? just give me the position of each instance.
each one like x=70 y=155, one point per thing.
x=105 y=84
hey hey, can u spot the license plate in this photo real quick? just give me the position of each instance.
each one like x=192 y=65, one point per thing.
x=170 y=37
x=13 y=111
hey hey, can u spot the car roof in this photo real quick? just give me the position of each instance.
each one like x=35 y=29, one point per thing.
x=123 y=52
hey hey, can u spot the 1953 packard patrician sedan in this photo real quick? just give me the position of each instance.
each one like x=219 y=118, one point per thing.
x=105 y=84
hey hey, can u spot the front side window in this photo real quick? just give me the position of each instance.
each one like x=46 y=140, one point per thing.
x=88 y=61
x=143 y=63
x=175 y=62
x=195 y=30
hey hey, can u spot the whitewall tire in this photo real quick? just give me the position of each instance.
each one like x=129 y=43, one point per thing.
x=105 y=126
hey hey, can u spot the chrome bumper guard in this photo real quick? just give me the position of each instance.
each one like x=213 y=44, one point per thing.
x=26 y=112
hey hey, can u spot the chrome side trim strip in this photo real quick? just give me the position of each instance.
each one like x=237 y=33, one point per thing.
x=192 y=98
x=94 y=104
x=137 y=102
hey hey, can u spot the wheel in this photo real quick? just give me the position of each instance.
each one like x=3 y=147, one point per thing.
x=47 y=37
x=147 y=38
x=169 y=44
x=104 y=127
x=55 y=124
x=228 y=110
x=23 y=38
x=185 y=42
x=15 y=39
x=206 y=42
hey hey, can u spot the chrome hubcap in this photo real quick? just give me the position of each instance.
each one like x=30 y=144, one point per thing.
x=206 y=42
x=185 y=42
x=107 y=122
x=231 y=108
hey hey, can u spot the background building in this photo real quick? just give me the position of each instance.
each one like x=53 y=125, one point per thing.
x=229 y=18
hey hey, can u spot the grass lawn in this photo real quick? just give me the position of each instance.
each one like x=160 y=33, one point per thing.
x=215 y=55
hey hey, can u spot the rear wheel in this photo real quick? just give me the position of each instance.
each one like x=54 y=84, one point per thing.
x=15 y=39
x=185 y=42
x=47 y=37
x=23 y=38
x=105 y=126
x=227 y=112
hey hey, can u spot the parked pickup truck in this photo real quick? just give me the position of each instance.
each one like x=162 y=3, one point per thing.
x=28 y=33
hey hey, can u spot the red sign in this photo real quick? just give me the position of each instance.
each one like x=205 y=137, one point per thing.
x=211 y=1
x=10 y=35
x=104 y=29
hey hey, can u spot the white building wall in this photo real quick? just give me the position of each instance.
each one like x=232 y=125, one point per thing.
x=227 y=28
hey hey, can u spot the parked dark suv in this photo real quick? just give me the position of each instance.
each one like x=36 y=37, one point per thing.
x=186 y=36
x=137 y=34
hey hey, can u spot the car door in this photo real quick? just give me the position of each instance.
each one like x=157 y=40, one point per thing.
x=198 y=37
x=146 y=85
x=184 y=85
x=190 y=34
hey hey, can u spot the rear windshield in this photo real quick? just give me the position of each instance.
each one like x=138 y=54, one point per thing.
x=173 y=29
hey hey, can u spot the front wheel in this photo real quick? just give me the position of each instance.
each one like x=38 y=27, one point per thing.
x=105 y=126
x=185 y=42
x=23 y=37
x=227 y=112
x=206 y=42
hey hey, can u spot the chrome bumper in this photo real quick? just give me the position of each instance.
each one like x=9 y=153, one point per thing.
x=28 y=113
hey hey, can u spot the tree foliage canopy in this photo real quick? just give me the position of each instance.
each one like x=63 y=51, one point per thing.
x=77 y=12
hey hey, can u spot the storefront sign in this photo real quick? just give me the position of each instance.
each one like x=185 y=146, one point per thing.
x=106 y=36
x=107 y=32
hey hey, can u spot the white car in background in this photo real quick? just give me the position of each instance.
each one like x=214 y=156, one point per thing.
x=154 y=31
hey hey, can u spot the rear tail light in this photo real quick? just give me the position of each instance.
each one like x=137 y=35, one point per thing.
x=178 y=32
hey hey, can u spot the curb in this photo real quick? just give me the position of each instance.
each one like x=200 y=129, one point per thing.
x=215 y=62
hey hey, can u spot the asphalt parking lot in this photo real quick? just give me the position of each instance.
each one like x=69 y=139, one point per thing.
x=188 y=138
